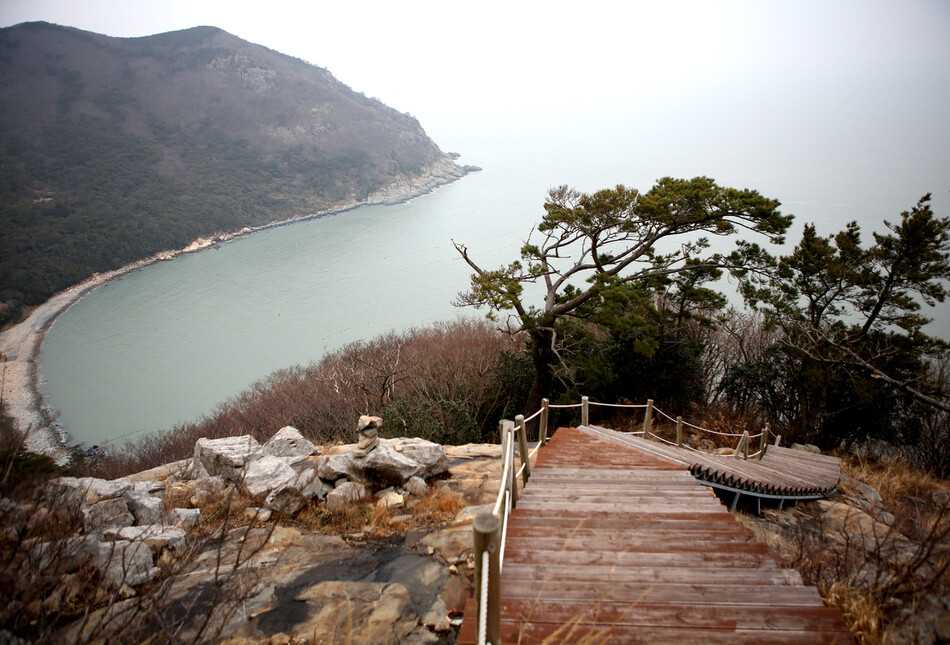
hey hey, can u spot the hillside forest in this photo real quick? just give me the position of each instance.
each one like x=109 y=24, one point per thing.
x=114 y=149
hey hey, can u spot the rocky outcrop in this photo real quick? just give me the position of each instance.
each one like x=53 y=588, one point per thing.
x=284 y=475
x=391 y=462
x=443 y=171
x=403 y=580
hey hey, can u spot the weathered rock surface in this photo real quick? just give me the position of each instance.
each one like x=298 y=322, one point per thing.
x=334 y=467
x=66 y=555
x=391 y=462
x=109 y=513
x=345 y=495
x=416 y=486
x=267 y=473
x=288 y=442
x=227 y=458
x=124 y=562
x=91 y=489
x=185 y=518
x=145 y=508
x=293 y=495
x=395 y=461
x=156 y=537
x=390 y=500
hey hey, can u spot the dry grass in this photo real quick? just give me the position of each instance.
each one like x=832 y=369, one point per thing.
x=893 y=480
x=448 y=383
x=437 y=508
x=884 y=576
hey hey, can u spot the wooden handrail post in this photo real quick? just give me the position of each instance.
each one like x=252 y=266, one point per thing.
x=648 y=419
x=543 y=424
x=778 y=438
x=523 y=447
x=487 y=537
x=765 y=441
x=743 y=445
x=679 y=431
x=512 y=482
x=585 y=411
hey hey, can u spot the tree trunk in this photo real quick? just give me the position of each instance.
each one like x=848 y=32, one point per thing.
x=544 y=358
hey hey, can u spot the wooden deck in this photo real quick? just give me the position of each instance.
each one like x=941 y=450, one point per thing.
x=782 y=474
x=611 y=544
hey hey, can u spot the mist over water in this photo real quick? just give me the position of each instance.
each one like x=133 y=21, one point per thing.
x=165 y=345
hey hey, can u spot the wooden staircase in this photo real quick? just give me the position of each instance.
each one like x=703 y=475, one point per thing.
x=613 y=544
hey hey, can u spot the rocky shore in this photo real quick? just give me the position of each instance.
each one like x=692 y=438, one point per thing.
x=20 y=345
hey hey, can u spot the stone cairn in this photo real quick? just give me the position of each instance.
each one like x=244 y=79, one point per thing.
x=368 y=429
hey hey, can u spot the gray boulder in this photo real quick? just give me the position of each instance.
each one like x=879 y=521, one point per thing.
x=226 y=458
x=66 y=555
x=394 y=461
x=126 y=562
x=334 y=467
x=345 y=495
x=288 y=442
x=416 y=486
x=266 y=473
x=431 y=456
x=186 y=518
x=145 y=508
x=294 y=495
x=110 y=513
x=391 y=462
x=90 y=490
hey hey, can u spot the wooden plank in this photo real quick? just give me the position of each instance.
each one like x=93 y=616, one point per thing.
x=647 y=544
x=670 y=593
x=684 y=575
x=538 y=633
x=646 y=614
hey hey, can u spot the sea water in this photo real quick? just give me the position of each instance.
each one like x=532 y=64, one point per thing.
x=166 y=344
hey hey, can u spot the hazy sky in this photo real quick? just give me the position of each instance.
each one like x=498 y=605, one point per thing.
x=452 y=63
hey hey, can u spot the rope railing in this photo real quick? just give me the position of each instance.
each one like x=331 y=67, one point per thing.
x=633 y=406
x=490 y=529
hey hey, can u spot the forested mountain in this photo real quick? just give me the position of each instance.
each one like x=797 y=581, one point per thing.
x=112 y=149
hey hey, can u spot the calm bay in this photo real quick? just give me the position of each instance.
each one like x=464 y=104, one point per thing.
x=164 y=345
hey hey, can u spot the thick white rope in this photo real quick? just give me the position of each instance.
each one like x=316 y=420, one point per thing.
x=504 y=480
x=483 y=601
x=618 y=405
x=532 y=417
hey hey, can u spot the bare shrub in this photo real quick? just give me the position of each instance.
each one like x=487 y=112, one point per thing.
x=449 y=382
x=59 y=584
x=931 y=452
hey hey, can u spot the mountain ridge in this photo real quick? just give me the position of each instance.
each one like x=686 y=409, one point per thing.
x=113 y=149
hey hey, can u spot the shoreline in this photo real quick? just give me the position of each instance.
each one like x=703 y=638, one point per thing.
x=20 y=345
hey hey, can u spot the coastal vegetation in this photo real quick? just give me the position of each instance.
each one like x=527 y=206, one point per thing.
x=834 y=352
x=114 y=149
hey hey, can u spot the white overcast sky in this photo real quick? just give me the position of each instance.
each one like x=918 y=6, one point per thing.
x=450 y=63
